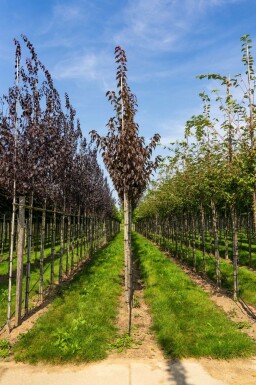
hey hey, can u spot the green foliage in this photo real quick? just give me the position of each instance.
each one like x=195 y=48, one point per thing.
x=5 y=348
x=186 y=322
x=123 y=342
x=136 y=302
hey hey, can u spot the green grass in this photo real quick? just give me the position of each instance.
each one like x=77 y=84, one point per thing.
x=186 y=322
x=34 y=275
x=243 y=248
x=5 y=348
x=80 y=324
x=246 y=277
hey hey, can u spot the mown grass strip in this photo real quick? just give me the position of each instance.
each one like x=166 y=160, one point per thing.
x=34 y=278
x=80 y=325
x=246 y=277
x=187 y=323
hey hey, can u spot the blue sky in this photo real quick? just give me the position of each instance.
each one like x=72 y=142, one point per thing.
x=167 y=42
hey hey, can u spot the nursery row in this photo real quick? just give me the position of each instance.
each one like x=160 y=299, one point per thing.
x=47 y=246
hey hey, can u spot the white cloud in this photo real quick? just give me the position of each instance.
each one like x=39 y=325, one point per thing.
x=172 y=129
x=87 y=67
x=62 y=16
x=160 y=24
x=84 y=67
x=64 y=13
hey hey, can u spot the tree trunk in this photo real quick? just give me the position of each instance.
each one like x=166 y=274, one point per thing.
x=62 y=228
x=226 y=235
x=235 y=250
x=216 y=243
x=254 y=210
x=53 y=245
x=128 y=257
x=203 y=235
x=194 y=243
x=41 y=278
x=12 y=240
x=30 y=225
x=249 y=238
x=68 y=244
x=3 y=235
x=20 y=253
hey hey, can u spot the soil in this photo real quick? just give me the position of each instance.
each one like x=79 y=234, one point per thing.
x=141 y=327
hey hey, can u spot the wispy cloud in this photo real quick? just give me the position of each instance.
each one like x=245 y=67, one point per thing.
x=65 y=12
x=62 y=17
x=172 y=129
x=89 y=66
x=160 y=24
x=84 y=67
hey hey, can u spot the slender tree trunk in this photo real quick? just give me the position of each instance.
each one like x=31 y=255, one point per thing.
x=226 y=235
x=194 y=243
x=53 y=245
x=182 y=231
x=235 y=250
x=30 y=226
x=216 y=243
x=68 y=244
x=73 y=243
x=62 y=228
x=41 y=279
x=3 y=234
x=128 y=257
x=12 y=240
x=254 y=209
x=176 y=238
x=36 y=237
x=203 y=235
x=187 y=235
x=20 y=254
x=249 y=238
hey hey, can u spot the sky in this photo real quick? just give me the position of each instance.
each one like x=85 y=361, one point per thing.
x=167 y=43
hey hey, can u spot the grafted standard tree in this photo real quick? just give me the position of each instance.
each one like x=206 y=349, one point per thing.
x=127 y=159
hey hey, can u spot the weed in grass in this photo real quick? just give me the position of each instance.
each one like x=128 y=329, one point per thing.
x=232 y=313
x=64 y=341
x=4 y=294
x=123 y=342
x=5 y=348
x=136 y=302
x=243 y=325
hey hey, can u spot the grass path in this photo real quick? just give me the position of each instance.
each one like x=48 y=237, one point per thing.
x=80 y=324
x=186 y=322
x=246 y=277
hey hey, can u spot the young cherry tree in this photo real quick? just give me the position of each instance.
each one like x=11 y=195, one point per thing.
x=127 y=159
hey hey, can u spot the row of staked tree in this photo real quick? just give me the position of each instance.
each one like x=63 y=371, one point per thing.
x=205 y=197
x=60 y=197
